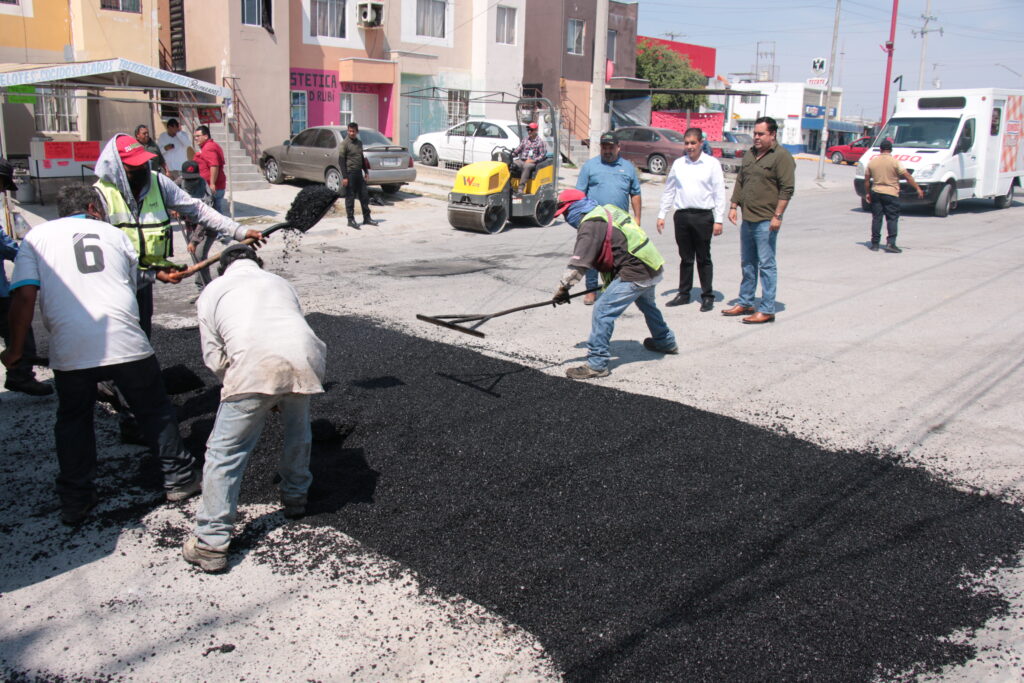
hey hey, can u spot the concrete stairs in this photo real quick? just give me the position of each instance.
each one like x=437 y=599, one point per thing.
x=244 y=174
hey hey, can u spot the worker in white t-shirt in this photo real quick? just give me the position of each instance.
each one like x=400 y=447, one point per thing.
x=84 y=272
x=174 y=145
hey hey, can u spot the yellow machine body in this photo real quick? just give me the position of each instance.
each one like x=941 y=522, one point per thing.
x=482 y=178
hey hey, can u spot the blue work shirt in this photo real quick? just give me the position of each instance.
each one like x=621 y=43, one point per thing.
x=612 y=183
x=8 y=252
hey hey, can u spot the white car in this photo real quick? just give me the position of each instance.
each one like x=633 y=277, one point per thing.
x=467 y=142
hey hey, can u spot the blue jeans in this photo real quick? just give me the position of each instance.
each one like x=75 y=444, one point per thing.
x=758 y=258
x=218 y=202
x=234 y=436
x=591 y=278
x=616 y=299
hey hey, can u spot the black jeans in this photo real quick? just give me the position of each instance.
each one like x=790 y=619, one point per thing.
x=23 y=370
x=143 y=388
x=889 y=206
x=144 y=297
x=694 y=228
x=357 y=184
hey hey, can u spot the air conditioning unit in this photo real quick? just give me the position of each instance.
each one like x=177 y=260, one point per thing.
x=371 y=14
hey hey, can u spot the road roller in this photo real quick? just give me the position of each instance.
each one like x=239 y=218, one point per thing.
x=486 y=195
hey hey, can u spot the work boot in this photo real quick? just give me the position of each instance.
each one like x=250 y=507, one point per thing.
x=293 y=508
x=207 y=559
x=651 y=345
x=891 y=248
x=873 y=246
x=369 y=221
x=352 y=223
x=185 y=491
x=586 y=372
x=74 y=514
x=28 y=385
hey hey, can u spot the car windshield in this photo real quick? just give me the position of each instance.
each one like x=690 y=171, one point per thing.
x=672 y=136
x=372 y=138
x=937 y=133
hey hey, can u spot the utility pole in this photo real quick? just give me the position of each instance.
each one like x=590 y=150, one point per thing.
x=927 y=16
x=828 y=95
x=889 y=48
x=600 y=72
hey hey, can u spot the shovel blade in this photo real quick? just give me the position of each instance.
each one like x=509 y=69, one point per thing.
x=450 y=326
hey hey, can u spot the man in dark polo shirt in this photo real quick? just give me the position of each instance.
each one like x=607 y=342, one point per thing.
x=763 y=189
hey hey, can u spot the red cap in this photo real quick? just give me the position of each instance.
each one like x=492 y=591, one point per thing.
x=533 y=126
x=567 y=198
x=131 y=151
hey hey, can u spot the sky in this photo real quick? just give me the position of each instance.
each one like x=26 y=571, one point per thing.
x=976 y=37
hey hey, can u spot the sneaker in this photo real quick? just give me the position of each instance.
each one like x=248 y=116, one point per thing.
x=30 y=386
x=75 y=513
x=891 y=248
x=352 y=224
x=185 y=491
x=369 y=221
x=651 y=346
x=208 y=560
x=586 y=372
x=293 y=508
x=873 y=246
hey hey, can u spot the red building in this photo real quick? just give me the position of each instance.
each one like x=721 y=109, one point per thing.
x=701 y=58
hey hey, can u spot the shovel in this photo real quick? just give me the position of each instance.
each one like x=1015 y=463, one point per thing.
x=308 y=208
x=456 y=322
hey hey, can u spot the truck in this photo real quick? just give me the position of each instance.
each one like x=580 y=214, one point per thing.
x=958 y=144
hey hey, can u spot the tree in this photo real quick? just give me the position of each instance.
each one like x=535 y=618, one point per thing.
x=664 y=68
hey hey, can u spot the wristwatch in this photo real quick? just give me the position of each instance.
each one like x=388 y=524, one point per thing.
x=779 y=216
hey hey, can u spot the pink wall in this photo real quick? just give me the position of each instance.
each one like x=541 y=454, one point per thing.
x=322 y=89
x=711 y=123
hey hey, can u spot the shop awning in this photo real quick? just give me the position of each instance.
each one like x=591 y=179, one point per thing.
x=835 y=126
x=105 y=73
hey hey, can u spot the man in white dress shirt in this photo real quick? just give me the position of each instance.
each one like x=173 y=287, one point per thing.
x=695 y=191
x=174 y=145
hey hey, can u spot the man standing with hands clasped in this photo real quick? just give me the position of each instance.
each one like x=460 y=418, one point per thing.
x=882 y=191
x=763 y=189
x=354 y=182
x=695 y=189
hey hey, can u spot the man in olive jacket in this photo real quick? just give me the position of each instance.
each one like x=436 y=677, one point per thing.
x=763 y=189
x=354 y=180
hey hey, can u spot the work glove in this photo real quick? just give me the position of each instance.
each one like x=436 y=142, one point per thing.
x=561 y=296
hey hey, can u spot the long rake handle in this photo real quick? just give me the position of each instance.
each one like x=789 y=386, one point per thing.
x=483 y=318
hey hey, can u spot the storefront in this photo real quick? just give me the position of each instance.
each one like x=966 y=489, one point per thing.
x=322 y=98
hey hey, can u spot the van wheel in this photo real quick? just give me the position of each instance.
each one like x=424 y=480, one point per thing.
x=1006 y=200
x=945 y=203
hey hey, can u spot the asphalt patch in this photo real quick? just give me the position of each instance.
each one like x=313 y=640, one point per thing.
x=637 y=538
x=436 y=268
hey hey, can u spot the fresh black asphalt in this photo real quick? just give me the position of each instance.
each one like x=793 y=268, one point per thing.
x=637 y=538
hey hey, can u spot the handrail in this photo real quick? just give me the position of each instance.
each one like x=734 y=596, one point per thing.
x=243 y=125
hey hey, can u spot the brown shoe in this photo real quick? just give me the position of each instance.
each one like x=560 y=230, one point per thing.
x=759 y=318
x=738 y=310
x=589 y=299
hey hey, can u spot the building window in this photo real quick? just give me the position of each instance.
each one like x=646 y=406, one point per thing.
x=122 y=5
x=430 y=18
x=506 y=27
x=8 y=2
x=574 y=37
x=327 y=18
x=750 y=99
x=612 y=37
x=458 y=106
x=257 y=13
x=55 y=110
x=344 y=108
x=298 y=111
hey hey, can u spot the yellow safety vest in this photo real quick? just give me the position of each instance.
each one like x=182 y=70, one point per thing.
x=150 y=232
x=637 y=242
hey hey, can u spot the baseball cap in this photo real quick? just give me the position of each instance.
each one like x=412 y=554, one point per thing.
x=131 y=151
x=886 y=144
x=609 y=138
x=533 y=126
x=7 y=176
x=190 y=170
x=567 y=198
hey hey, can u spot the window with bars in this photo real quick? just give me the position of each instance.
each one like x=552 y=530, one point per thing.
x=298 y=111
x=750 y=99
x=506 y=26
x=430 y=18
x=122 y=5
x=612 y=39
x=574 y=37
x=344 y=108
x=327 y=18
x=458 y=106
x=55 y=110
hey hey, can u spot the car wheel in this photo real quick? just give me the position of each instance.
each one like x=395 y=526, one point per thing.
x=391 y=188
x=332 y=179
x=656 y=164
x=837 y=158
x=1006 y=200
x=272 y=172
x=428 y=155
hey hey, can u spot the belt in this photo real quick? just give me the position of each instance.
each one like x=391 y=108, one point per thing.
x=695 y=210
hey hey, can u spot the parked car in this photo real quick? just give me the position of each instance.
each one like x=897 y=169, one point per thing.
x=850 y=153
x=650 y=148
x=466 y=143
x=313 y=155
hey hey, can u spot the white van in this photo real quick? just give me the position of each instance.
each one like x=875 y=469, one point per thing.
x=958 y=144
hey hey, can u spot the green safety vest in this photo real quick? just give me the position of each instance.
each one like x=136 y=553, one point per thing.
x=637 y=242
x=150 y=233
